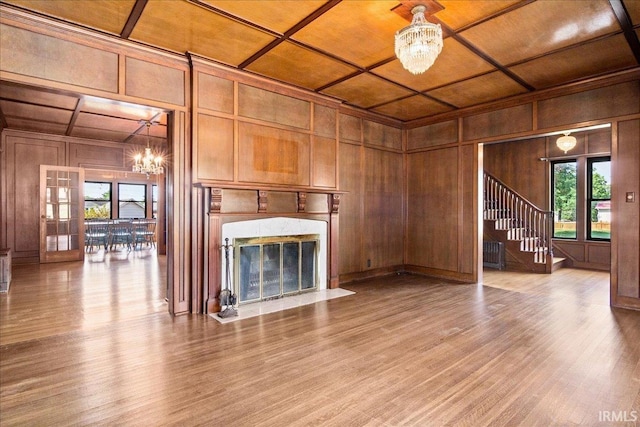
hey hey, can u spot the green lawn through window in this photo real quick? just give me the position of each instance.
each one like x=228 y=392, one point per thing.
x=571 y=234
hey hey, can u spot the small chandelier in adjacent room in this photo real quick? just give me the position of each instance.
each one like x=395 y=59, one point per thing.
x=566 y=142
x=419 y=44
x=148 y=163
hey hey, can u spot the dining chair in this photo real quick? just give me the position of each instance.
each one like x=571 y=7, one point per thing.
x=120 y=233
x=96 y=233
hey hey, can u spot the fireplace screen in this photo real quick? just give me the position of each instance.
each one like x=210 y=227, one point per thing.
x=272 y=267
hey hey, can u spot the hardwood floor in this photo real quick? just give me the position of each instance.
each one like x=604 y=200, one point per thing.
x=92 y=344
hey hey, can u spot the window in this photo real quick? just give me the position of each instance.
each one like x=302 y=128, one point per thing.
x=565 y=184
x=97 y=200
x=599 y=198
x=132 y=200
x=582 y=198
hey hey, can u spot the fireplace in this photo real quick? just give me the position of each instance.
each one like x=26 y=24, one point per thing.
x=275 y=257
x=277 y=266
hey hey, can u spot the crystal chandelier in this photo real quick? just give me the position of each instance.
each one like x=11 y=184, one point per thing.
x=148 y=163
x=419 y=44
x=566 y=142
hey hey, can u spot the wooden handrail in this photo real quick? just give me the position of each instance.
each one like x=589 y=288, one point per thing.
x=526 y=222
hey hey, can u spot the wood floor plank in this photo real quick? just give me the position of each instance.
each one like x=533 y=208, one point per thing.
x=92 y=344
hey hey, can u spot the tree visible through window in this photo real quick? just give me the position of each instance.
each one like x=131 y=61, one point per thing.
x=599 y=198
x=565 y=182
x=97 y=200
x=588 y=217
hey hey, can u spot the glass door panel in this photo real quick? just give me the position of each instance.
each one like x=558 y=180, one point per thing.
x=290 y=267
x=249 y=277
x=270 y=270
x=308 y=265
x=61 y=213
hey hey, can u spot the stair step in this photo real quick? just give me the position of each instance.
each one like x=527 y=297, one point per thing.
x=558 y=263
x=519 y=224
x=515 y=233
x=505 y=223
x=530 y=244
x=540 y=250
x=495 y=215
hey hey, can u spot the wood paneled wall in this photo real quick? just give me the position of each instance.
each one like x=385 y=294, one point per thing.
x=22 y=155
x=615 y=100
x=351 y=209
x=442 y=212
x=625 y=248
x=383 y=208
x=249 y=133
x=432 y=211
x=58 y=56
x=518 y=165
x=371 y=209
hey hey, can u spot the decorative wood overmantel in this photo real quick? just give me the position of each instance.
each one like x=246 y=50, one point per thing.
x=226 y=205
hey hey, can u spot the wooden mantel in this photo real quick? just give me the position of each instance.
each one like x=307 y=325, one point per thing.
x=226 y=205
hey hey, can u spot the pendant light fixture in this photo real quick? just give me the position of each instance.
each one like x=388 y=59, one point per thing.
x=566 y=142
x=148 y=163
x=418 y=45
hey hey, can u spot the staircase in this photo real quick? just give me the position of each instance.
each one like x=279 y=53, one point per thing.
x=524 y=229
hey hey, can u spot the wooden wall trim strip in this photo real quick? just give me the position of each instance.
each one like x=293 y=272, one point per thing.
x=213 y=288
x=198 y=249
x=572 y=88
x=370 y=274
x=441 y=274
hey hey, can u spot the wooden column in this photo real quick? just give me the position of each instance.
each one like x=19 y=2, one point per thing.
x=625 y=202
x=212 y=304
x=179 y=272
x=334 y=243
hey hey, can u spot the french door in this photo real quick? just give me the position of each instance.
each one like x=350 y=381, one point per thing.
x=61 y=214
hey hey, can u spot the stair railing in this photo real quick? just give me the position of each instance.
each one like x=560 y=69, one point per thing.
x=528 y=223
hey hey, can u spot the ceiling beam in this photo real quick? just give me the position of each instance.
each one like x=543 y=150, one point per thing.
x=75 y=115
x=3 y=120
x=627 y=27
x=291 y=31
x=494 y=15
x=142 y=127
x=493 y=62
x=134 y=16
x=233 y=17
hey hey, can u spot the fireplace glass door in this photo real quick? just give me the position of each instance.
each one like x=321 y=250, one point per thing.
x=267 y=269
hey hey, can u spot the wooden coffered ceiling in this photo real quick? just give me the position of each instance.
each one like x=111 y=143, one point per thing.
x=493 y=49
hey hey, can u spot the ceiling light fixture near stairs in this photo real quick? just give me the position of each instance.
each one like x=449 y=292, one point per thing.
x=419 y=44
x=566 y=142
